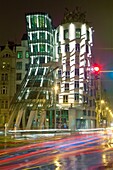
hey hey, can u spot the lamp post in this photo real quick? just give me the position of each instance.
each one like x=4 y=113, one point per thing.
x=55 y=93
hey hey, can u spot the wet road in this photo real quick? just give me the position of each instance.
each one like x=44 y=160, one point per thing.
x=92 y=151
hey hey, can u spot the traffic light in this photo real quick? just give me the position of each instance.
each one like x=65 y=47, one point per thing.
x=96 y=69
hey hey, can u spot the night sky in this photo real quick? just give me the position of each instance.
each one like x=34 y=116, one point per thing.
x=98 y=12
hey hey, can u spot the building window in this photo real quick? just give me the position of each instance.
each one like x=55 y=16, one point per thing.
x=4 y=104
x=87 y=48
x=41 y=20
x=59 y=50
x=4 y=77
x=19 y=54
x=19 y=65
x=78 y=33
x=84 y=113
x=76 y=72
x=76 y=97
x=42 y=47
x=42 y=35
x=35 y=48
x=48 y=38
x=57 y=36
x=33 y=21
x=67 y=74
x=67 y=48
x=19 y=76
x=76 y=84
x=65 y=99
x=66 y=34
x=89 y=113
x=77 y=47
x=41 y=60
x=34 y=36
x=3 y=90
x=18 y=87
x=66 y=86
x=26 y=67
x=27 y=54
x=59 y=73
x=87 y=35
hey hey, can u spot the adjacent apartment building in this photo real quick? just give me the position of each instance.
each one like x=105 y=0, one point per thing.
x=13 y=67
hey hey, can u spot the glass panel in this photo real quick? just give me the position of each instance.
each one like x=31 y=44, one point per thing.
x=66 y=34
x=19 y=54
x=33 y=21
x=41 y=20
x=34 y=36
x=27 y=54
x=42 y=35
x=42 y=47
x=78 y=33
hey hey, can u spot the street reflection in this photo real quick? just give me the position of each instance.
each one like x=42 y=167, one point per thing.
x=74 y=152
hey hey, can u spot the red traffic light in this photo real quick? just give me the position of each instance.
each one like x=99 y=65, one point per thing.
x=96 y=69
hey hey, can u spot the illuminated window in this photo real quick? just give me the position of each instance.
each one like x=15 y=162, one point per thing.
x=78 y=33
x=66 y=86
x=65 y=98
x=27 y=54
x=41 y=20
x=42 y=47
x=76 y=96
x=35 y=48
x=18 y=76
x=67 y=74
x=76 y=72
x=76 y=84
x=42 y=35
x=33 y=21
x=67 y=48
x=34 y=36
x=19 y=65
x=66 y=34
x=19 y=54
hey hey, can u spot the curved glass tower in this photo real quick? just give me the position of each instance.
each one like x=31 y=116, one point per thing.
x=40 y=43
x=35 y=93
